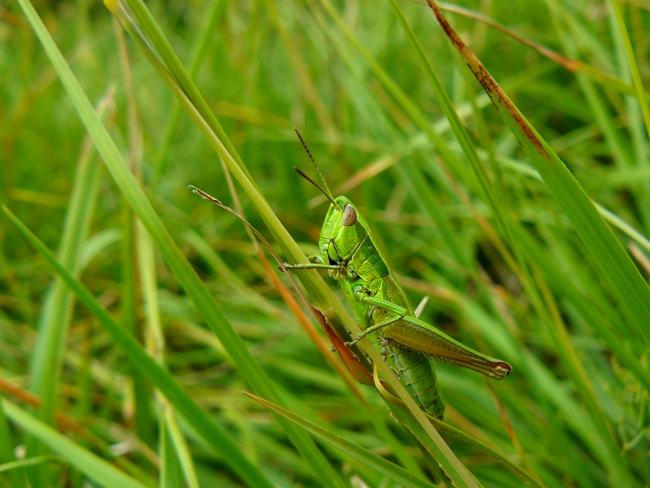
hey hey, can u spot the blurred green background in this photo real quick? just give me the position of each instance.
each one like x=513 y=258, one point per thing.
x=576 y=403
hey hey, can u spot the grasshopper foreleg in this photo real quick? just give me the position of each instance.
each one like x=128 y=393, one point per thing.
x=315 y=262
x=311 y=266
x=337 y=271
x=373 y=328
x=361 y=294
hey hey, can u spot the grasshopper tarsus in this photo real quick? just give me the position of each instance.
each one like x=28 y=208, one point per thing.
x=503 y=369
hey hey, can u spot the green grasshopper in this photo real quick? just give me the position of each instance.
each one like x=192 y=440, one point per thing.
x=351 y=256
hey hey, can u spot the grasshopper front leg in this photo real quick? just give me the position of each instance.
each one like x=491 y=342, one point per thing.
x=373 y=328
x=339 y=271
x=411 y=332
x=315 y=262
x=332 y=267
x=362 y=295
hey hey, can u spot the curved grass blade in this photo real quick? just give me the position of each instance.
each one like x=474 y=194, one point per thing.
x=627 y=284
x=392 y=471
x=15 y=466
x=8 y=460
x=569 y=64
x=626 y=281
x=56 y=313
x=398 y=412
x=102 y=472
x=187 y=276
x=633 y=66
x=194 y=415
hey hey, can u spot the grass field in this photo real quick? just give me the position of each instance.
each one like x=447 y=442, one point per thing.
x=133 y=314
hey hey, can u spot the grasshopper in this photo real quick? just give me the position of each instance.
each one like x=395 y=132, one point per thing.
x=351 y=256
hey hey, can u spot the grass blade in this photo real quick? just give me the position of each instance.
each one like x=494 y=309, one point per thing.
x=211 y=433
x=626 y=281
x=201 y=297
x=392 y=471
x=634 y=68
x=16 y=475
x=102 y=472
x=56 y=314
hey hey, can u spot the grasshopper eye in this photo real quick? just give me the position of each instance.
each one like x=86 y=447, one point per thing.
x=349 y=216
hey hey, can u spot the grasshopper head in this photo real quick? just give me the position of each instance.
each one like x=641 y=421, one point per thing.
x=344 y=228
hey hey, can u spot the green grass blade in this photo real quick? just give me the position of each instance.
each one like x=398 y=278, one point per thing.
x=211 y=433
x=56 y=313
x=414 y=428
x=634 y=68
x=391 y=86
x=613 y=219
x=454 y=120
x=201 y=297
x=170 y=61
x=626 y=281
x=16 y=474
x=392 y=471
x=102 y=472
x=210 y=20
x=19 y=465
x=170 y=469
x=181 y=449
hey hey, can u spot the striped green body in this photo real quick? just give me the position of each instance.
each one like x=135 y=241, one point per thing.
x=361 y=268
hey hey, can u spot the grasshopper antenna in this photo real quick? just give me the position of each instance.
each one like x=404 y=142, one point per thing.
x=210 y=198
x=325 y=190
